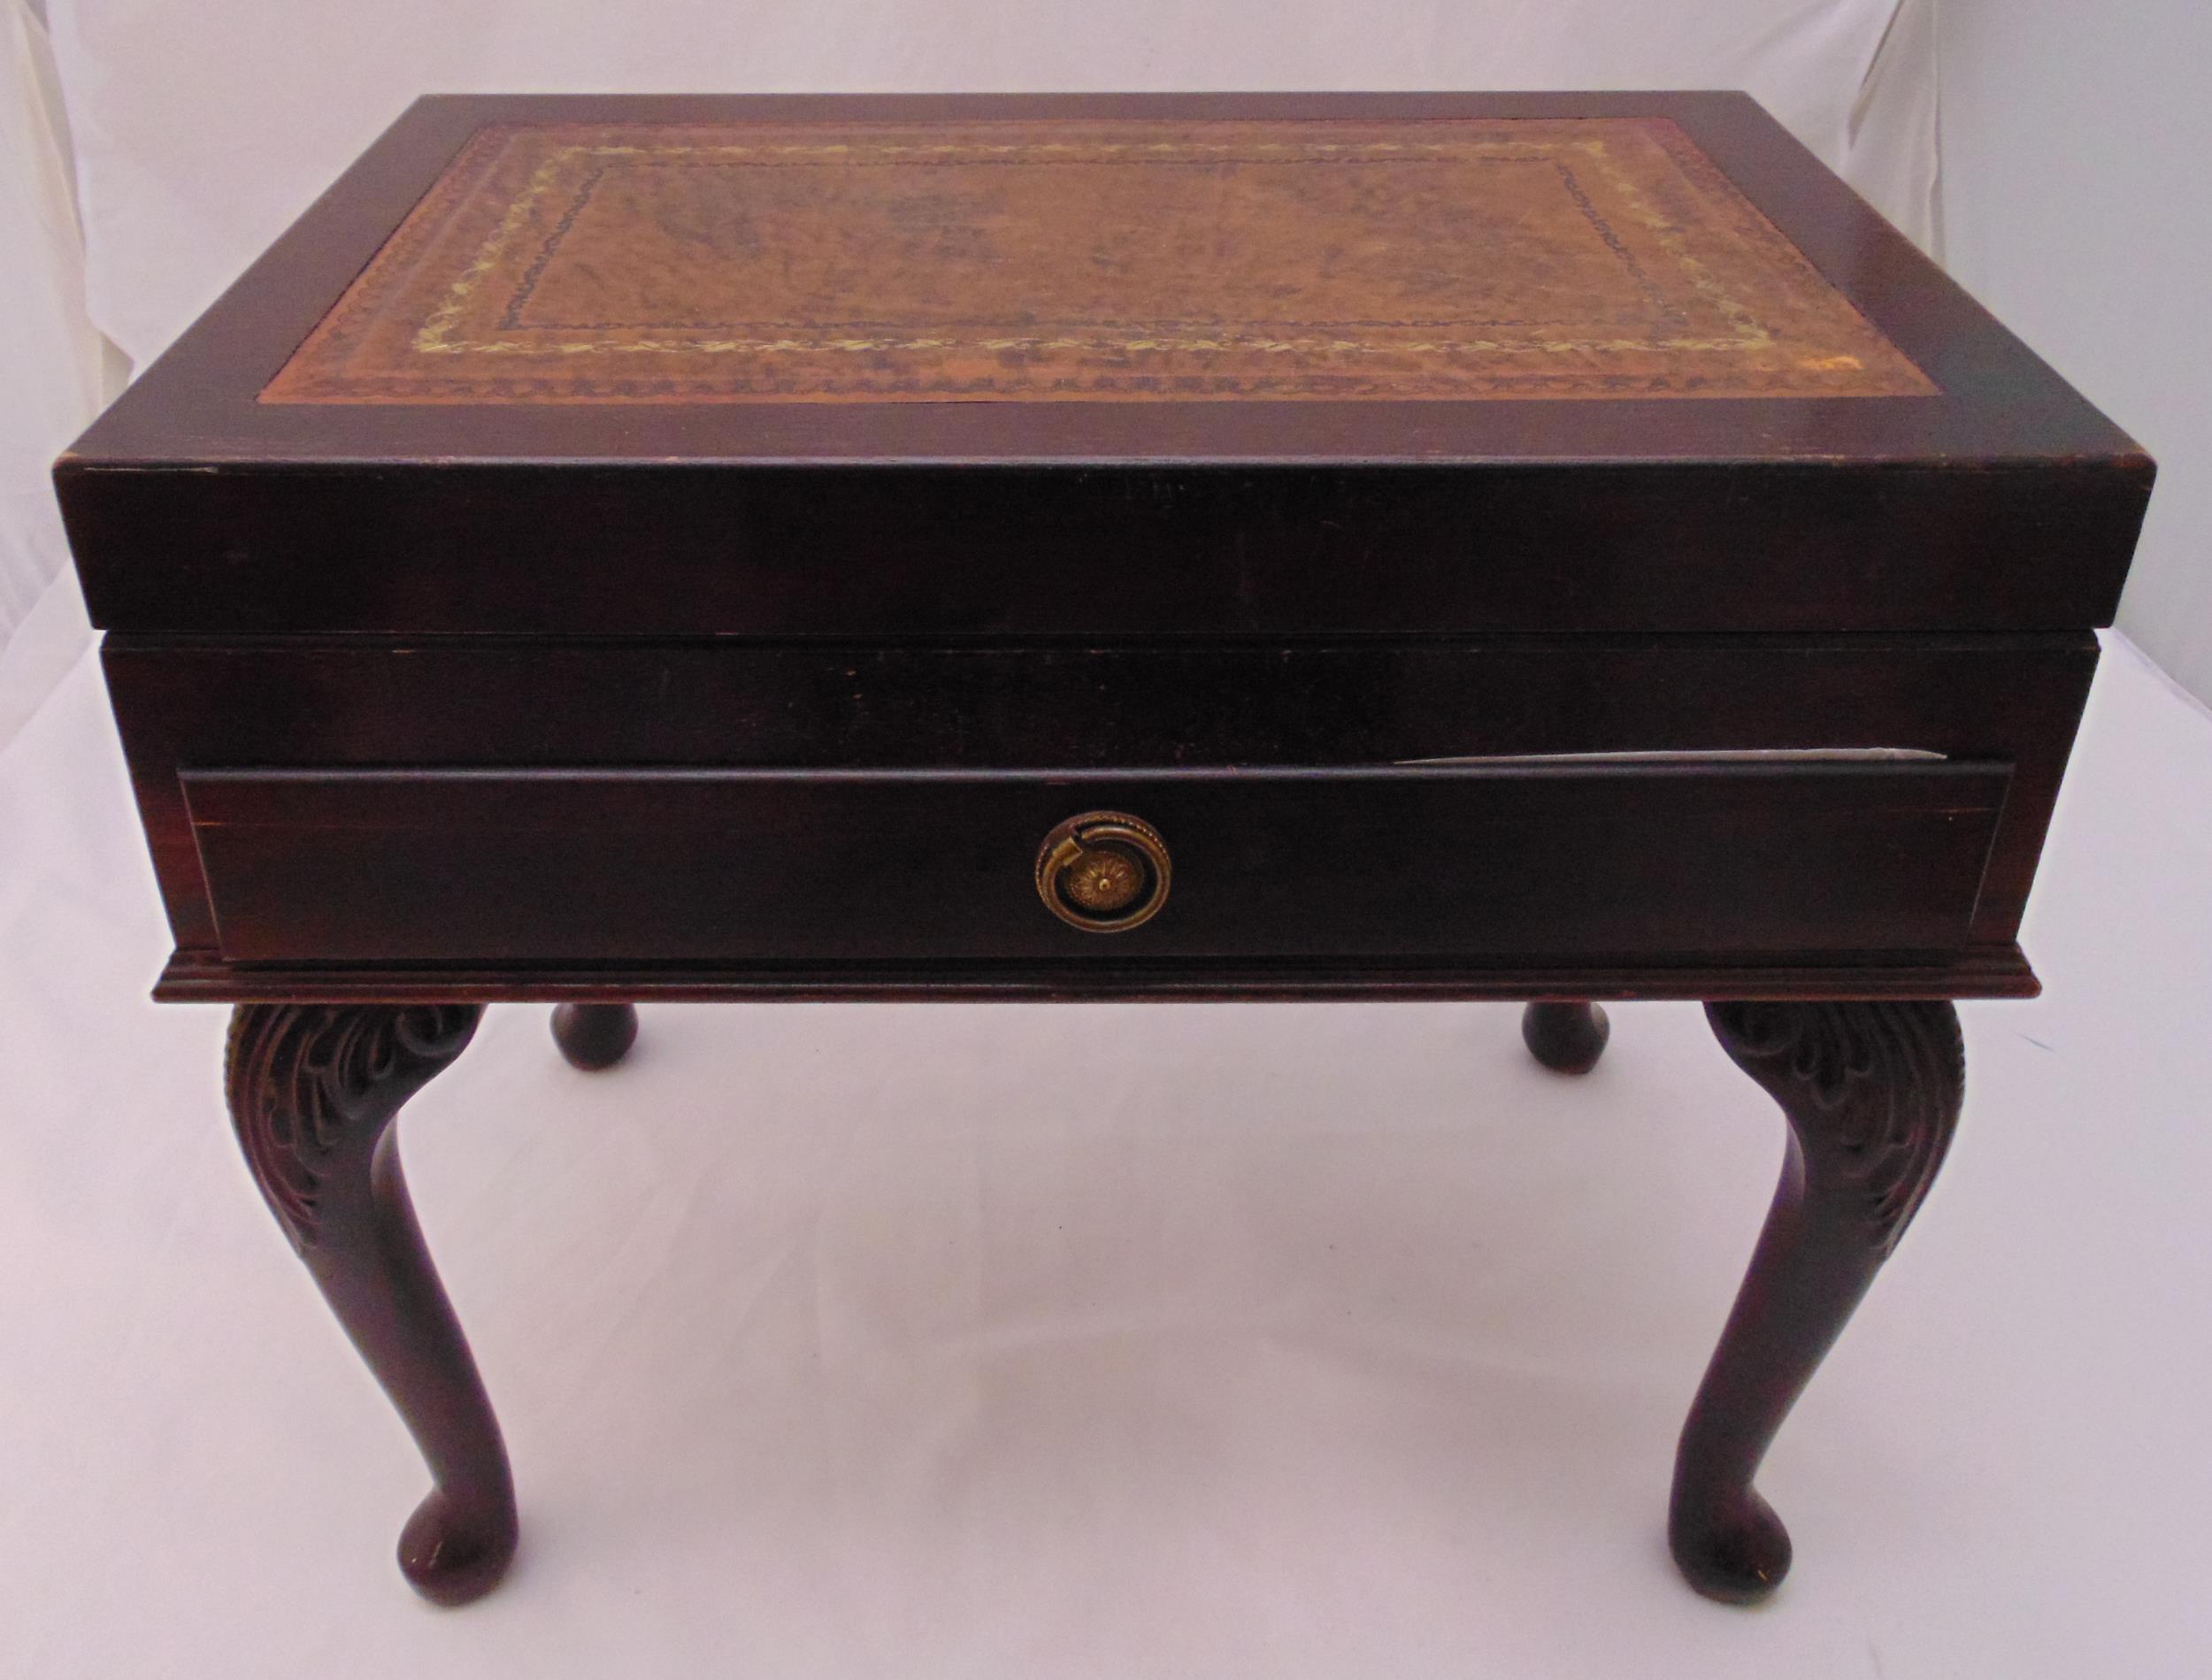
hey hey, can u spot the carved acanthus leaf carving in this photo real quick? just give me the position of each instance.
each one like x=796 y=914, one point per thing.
x=304 y=1079
x=1871 y=1088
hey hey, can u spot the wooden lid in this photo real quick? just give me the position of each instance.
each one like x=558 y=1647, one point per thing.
x=1284 y=363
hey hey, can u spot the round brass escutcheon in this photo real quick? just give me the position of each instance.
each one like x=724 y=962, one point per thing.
x=1103 y=871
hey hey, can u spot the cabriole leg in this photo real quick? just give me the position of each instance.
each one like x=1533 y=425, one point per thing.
x=1871 y=1094
x=313 y=1091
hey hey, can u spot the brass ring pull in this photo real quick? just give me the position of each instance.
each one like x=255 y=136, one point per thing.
x=1103 y=871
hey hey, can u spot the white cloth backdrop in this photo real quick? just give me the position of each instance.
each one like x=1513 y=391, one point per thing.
x=51 y=359
x=2073 y=159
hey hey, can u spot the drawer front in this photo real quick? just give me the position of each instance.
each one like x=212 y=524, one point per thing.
x=1561 y=861
x=187 y=708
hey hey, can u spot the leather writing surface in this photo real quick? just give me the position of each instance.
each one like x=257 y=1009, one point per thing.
x=1031 y=260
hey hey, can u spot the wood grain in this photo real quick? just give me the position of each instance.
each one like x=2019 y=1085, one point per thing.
x=1534 y=864
x=1980 y=971
x=1997 y=499
x=486 y=703
x=1872 y=1091
x=314 y=1093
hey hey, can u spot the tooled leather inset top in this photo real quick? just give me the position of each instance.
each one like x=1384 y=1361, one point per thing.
x=1091 y=260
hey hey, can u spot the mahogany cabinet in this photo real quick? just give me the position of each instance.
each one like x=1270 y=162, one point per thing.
x=1551 y=547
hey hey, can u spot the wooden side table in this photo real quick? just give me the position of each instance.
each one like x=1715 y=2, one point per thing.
x=1555 y=547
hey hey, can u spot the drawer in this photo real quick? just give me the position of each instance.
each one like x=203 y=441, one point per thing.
x=1566 y=860
x=1069 y=711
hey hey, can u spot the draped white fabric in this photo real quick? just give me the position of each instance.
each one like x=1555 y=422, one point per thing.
x=51 y=359
x=2074 y=153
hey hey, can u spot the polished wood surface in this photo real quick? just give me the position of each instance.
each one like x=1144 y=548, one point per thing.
x=1982 y=972
x=657 y=706
x=1872 y=1093
x=593 y=1037
x=1998 y=500
x=1543 y=864
x=1079 y=260
x=1567 y=1038
x=313 y=1092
